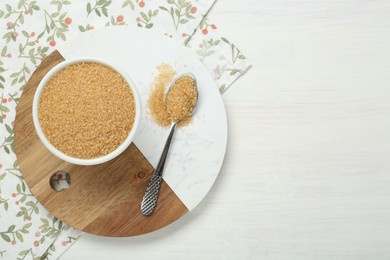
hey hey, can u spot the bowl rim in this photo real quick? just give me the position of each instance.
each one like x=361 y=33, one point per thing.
x=79 y=161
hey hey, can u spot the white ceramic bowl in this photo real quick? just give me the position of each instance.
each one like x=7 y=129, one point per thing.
x=60 y=154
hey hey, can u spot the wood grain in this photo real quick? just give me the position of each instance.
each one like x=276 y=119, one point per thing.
x=102 y=199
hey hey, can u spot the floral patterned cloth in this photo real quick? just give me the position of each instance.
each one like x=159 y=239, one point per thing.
x=30 y=30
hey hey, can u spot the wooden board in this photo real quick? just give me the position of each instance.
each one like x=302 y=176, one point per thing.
x=103 y=199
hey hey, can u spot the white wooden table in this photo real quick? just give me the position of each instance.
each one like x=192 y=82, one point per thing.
x=307 y=172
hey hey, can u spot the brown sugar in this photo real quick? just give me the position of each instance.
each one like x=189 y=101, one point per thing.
x=157 y=106
x=157 y=97
x=86 y=110
x=181 y=99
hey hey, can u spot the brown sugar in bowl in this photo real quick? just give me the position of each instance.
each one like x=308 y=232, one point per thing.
x=86 y=111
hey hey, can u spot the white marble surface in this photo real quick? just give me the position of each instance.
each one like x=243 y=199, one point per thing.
x=307 y=171
x=197 y=150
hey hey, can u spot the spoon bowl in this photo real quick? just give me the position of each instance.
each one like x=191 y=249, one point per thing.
x=190 y=75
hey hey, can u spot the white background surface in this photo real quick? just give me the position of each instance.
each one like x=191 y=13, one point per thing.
x=307 y=172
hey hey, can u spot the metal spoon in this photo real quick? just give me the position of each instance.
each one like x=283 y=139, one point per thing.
x=149 y=201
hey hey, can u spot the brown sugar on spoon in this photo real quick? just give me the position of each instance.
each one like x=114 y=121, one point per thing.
x=157 y=100
x=181 y=99
x=86 y=110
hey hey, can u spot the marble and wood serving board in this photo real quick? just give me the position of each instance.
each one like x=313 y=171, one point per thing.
x=102 y=199
x=105 y=199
